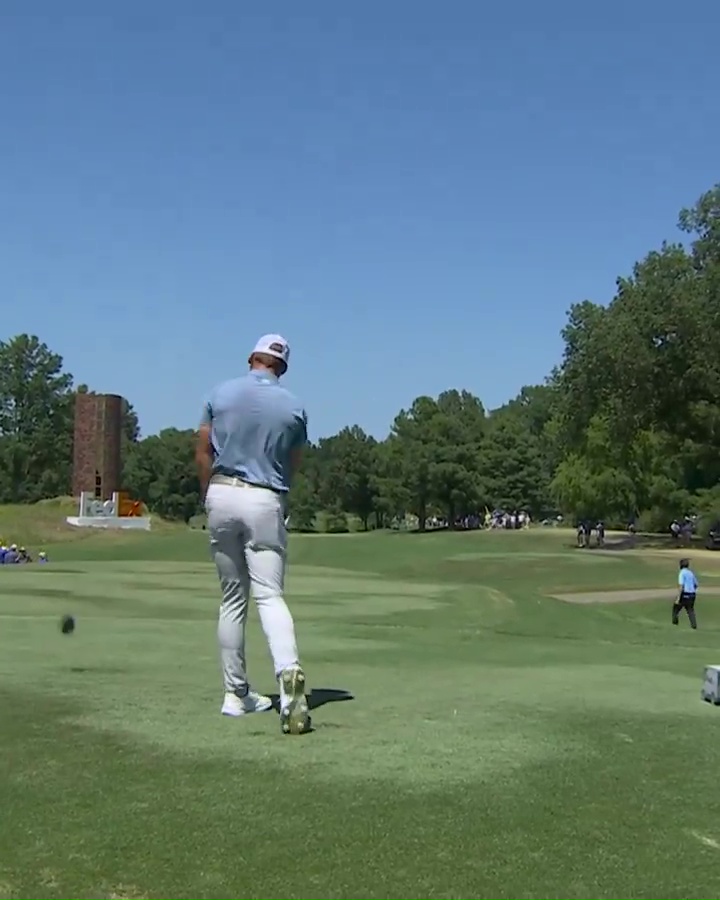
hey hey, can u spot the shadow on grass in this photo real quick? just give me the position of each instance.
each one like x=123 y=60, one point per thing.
x=655 y=542
x=317 y=697
x=645 y=542
x=441 y=529
x=98 y=670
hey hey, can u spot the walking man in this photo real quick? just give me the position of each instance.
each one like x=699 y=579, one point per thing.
x=600 y=528
x=688 y=592
x=581 y=534
x=249 y=446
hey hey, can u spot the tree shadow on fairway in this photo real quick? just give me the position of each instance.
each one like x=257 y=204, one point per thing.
x=317 y=697
x=649 y=542
x=626 y=542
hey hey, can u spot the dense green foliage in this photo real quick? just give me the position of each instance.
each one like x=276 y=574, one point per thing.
x=628 y=423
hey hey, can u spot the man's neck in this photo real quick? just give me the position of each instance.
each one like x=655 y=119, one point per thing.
x=258 y=369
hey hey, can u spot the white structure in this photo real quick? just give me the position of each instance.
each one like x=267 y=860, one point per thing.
x=104 y=514
x=711 y=685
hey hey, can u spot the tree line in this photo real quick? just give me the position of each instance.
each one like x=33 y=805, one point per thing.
x=626 y=427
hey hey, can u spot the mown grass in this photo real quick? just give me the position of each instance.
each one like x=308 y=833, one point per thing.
x=43 y=525
x=500 y=743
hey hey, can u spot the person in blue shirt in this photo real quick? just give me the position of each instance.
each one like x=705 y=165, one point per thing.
x=688 y=584
x=250 y=442
x=11 y=555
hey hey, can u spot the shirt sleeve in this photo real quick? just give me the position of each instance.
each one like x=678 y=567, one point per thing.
x=301 y=432
x=680 y=579
x=206 y=414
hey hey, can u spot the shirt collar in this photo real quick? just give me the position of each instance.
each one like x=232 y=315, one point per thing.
x=264 y=375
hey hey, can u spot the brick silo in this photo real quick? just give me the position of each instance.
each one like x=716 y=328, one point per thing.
x=96 y=453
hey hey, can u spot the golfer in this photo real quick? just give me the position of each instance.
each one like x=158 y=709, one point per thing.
x=688 y=585
x=249 y=446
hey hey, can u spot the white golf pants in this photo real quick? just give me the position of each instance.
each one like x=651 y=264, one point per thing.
x=248 y=541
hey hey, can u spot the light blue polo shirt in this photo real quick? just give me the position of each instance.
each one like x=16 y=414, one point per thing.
x=687 y=581
x=255 y=424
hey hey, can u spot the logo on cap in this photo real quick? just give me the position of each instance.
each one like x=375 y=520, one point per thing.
x=277 y=348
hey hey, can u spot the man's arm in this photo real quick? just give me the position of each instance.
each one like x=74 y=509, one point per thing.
x=204 y=453
x=300 y=441
x=295 y=460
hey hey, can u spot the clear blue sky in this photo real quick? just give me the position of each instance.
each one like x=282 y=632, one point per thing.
x=412 y=192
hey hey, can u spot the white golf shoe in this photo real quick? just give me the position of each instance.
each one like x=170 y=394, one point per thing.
x=294 y=712
x=241 y=706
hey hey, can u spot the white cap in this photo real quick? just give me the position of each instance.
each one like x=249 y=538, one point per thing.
x=274 y=345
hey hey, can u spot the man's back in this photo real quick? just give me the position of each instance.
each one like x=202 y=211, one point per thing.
x=687 y=580
x=255 y=425
x=251 y=437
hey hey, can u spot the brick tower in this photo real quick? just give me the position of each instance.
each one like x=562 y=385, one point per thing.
x=96 y=453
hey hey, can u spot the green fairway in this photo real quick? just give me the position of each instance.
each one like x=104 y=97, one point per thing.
x=500 y=743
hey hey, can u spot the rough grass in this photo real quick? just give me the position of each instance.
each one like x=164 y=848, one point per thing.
x=501 y=743
x=41 y=525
